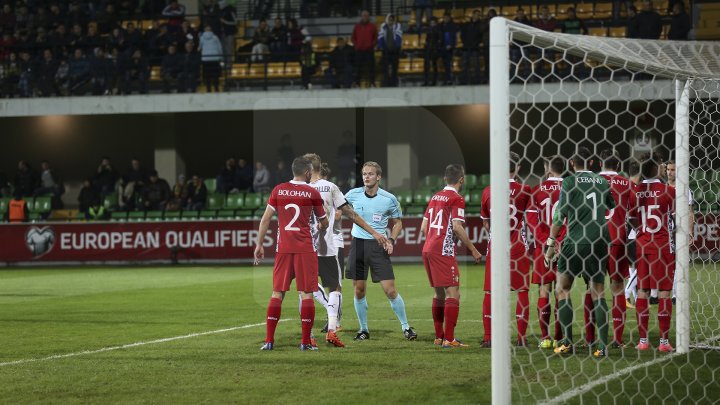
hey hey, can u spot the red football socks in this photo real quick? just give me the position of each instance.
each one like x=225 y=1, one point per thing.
x=664 y=316
x=438 y=314
x=641 y=310
x=618 y=314
x=273 y=317
x=588 y=312
x=487 y=318
x=452 y=310
x=522 y=313
x=307 y=318
x=543 y=305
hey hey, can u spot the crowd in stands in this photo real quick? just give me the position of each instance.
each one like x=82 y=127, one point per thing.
x=73 y=47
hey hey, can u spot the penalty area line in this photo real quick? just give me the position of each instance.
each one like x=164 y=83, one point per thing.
x=605 y=379
x=131 y=345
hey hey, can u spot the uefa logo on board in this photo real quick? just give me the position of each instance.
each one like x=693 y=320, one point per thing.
x=40 y=240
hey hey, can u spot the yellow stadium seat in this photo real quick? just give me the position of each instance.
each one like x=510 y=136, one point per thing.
x=603 y=11
x=584 y=10
x=508 y=12
x=617 y=32
x=561 y=11
x=598 y=31
x=321 y=44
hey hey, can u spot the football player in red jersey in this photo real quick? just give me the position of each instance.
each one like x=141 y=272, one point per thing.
x=295 y=202
x=655 y=260
x=443 y=223
x=519 y=260
x=545 y=197
x=623 y=192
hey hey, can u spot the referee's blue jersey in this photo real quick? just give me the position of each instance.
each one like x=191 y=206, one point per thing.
x=376 y=210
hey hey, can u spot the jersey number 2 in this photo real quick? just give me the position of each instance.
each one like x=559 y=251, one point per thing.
x=289 y=226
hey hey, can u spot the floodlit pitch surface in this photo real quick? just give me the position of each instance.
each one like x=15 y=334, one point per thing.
x=192 y=334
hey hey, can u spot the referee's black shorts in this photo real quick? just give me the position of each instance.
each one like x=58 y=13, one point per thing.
x=330 y=272
x=366 y=256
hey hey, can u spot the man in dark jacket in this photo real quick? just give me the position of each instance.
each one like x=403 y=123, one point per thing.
x=101 y=71
x=78 y=72
x=471 y=35
x=133 y=182
x=197 y=194
x=26 y=179
x=433 y=46
x=190 y=69
x=225 y=180
x=449 y=32
x=156 y=192
x=681 y=24
x=105 y=177
x=631 y=23
x=46 y=69
x=170 y=68
x=340 y=72
x=648 y=22
x=135 y=68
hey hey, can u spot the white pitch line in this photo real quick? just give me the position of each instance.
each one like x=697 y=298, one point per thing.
x=131 y=345
x=605 y=379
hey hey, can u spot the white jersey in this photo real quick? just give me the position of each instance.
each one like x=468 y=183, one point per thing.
x=333 y=199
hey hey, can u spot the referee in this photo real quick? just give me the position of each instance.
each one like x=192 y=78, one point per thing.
x=377 y=207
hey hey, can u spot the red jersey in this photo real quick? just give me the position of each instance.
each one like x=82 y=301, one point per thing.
x=295 y=202
x=655 y=207
x=623 y=192
x=444 y=207
x=519 y=202
x=544 y=200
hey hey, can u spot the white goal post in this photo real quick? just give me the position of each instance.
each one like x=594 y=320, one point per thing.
x=616 y=84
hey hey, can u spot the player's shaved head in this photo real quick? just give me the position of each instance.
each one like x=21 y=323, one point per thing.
x=609 y=160
x=453 y=173
x=514 y=161
x=301 y=165
x=315 y=160
x=556 y=164
x=582 y=158
x=375 y=165
x=650 y=165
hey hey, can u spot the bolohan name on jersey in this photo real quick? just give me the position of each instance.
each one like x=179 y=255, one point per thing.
x=440 y=198
x=293 y=193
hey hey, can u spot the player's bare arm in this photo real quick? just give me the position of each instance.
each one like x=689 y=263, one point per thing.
x=349 y=212
x=459 y=229
x=323 y=223
x=424 y=227
x=394 y=233
x=262 y=231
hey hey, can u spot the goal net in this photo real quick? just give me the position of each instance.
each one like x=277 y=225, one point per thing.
x=551 y=95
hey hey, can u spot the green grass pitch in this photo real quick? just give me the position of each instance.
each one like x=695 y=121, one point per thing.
x=48 y=312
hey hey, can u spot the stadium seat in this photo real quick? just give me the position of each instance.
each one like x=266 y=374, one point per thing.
x=431 y=181
x=119 y=216
x=79 y=217
x=171 y=215
x=598 y=31
x=234 y=201
x=245 y=214
x=258 y=213
x=415 y=210
x=484 y=180
x=211 y=185
x=154 y=215
x=405 y=197
x=40 y=205
x=475 y=197
x=472 y=211
x=584 y=11
x=423 y=196
x=253 y=201
x=189 y=214
x=603 y=11
x=136 y=216
x=617 y=32
x=226 y=214
x=208 y=214
x=4 y=203
x=471 y=180
x=110 y=202
x=561 y=11
x=215 y=201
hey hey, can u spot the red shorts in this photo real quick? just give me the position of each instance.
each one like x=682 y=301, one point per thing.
x=519 y=271
x=442 y=271
x=655 y=268
x=541 y=274
x=617 y=265
x=303 y=267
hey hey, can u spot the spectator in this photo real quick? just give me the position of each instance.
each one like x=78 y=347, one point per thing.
x=160 y=41
x=390 y=43
x=431 y=52
x=101 y=71
x=364 y=38
x=573 y=25
x=91 y=40
x=340 y=71
x=282 y=173
x=190 y=69
x=26 y=179
x=59 y=40
x=133 y=182
x=76 y=15
x=278 y=38
x=56 y=17
x=648 y=24
x=211 y=51
x=26 y=80
x=78 y=72
x=96 y=211
x=88 y=195
x=170 y=68
x=228 y=18
x=5 y=186
x=7 y=43
x=261 y=40
x=519 y=56
x=486 y=43
x=243 y=176
x=175 y=13
x=545 y=22
x=197 y=194
x=136 y=68
x=681 y=24
x=261 y=182
x=308 y=65
x=225 y=182
x=107 y=21
x=211 y=15
x=631 y=23
x=7 y=18
x=449 y=32
x=46 y=70
x=186 y=33
x=422 y=8
x=117 y=39
x=133 y=37
x=156 y=192
x=50 y=183
x=296 y=36
x=179 y=195
x=17 y=209
x=10 y=76
x=472 y=36
x=106 y=177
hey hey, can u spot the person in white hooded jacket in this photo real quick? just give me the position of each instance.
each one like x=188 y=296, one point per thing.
x=390 y=43
x=211 y=53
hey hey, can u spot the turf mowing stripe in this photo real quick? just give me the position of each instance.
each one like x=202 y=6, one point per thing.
x=605 y=379
x=131 y=345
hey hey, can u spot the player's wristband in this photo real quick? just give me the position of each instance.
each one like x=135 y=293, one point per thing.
x=392 y=240
x=550 y=242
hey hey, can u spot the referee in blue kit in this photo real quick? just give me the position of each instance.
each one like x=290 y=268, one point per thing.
x=377 y=207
